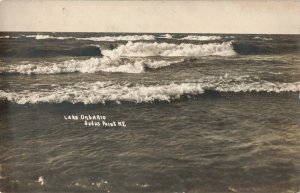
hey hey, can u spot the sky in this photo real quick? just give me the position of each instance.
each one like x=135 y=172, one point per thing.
x=169 y=16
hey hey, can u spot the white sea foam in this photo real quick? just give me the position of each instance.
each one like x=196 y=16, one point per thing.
x=120 y=38
x=262 y=38
x=7 y=37
x=142 y=49
x=92 y=65
x=41 y=180
x=201 y=38
x=167 y=36
x=229 y=37
x=101 y=92
x=112 y=60
x=101 y=38
x=4 y=37
x=42 y=37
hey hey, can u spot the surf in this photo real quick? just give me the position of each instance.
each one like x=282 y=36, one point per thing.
x=102 y=92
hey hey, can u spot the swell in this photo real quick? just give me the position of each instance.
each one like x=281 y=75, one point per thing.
x=100 y=38
x=256 y=48
x=102 y=92
x=26 y=48
x=122 y=58
x=142 y=49
x=246 y=44
x=201 y=38
x=92 y=65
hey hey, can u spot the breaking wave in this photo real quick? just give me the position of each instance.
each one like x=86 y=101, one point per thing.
x=261 y=38
x=140 y=49
x=9 y=37
x=4 y=37
x=101 y=38
x=42 y=37
x=120 y=38
x=201 y=38
x=101 y=92
x=166 y=36
x=115 y=60
x=92 y=65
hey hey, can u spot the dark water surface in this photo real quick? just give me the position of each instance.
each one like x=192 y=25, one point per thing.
x=203 y=113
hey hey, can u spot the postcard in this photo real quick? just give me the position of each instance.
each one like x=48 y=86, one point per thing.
x=149 y=96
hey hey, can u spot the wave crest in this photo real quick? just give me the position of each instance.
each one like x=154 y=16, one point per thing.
x=100 y=38
x=101 y=92
x=166 y=36
x=92 y=65
x=141 y=49
x=4 y=37
x=114 y=61
x=120 y=38
x=261 y=38
x=201 y=38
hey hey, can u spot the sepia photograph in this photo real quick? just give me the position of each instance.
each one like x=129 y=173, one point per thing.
x=149 y=96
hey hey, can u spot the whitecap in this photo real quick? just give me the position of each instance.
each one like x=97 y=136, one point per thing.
x=142 y=49
x=101 y=92
x=201 y=38
x=262 y=38
x=100 y=38
x=92 y=65
x=41 y=180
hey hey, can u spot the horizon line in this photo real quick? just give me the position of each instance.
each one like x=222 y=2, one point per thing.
x=25 y=31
